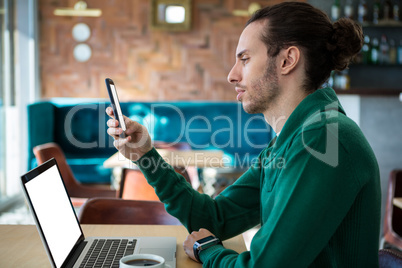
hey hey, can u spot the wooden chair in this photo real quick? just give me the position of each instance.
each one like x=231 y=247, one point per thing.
x=393 y=214
x=120 y=211
x=74 y=188
x=134 y=185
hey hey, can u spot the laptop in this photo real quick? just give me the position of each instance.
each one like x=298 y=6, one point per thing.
x=61 y=232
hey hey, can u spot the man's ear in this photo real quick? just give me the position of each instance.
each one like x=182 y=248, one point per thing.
x=289 y=60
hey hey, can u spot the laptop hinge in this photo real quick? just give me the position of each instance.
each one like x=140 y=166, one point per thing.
x=75 y=254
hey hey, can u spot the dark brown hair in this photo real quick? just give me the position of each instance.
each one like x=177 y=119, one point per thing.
x=326 y=46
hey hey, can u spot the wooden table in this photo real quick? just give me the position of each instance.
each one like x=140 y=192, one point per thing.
x=189 y=159
x=20 y=245
x=398 y=202
x=177 y=158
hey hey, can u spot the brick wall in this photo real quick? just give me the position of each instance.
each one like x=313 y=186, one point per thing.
x=145 y=64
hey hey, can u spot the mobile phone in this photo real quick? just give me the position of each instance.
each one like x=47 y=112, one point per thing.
x=114 y=99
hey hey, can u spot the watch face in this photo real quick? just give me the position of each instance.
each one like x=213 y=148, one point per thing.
x=207 y=242
x=204 y=243
x=205 y=239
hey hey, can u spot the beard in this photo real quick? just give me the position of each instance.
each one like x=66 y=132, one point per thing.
x=263 y=91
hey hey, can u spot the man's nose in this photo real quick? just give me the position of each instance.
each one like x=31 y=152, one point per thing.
x=234 y=75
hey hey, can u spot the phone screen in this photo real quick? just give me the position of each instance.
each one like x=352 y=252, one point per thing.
x=118 y=109
x=115 y=103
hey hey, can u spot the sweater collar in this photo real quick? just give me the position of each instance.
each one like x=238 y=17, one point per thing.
x=324 y=99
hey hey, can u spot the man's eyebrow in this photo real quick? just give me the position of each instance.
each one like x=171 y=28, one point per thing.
x=241 y=53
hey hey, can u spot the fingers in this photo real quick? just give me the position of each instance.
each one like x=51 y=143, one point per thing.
x=113 y=129
x=112 y=123
x=188 y=247
x=119 y=143
x=109 y=112
x=114 y=132
x=132 y=126
x=135 y=133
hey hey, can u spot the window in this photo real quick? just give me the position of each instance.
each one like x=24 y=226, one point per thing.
x=18 y=87
x=6 y=78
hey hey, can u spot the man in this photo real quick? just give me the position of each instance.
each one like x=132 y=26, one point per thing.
x=321 y=206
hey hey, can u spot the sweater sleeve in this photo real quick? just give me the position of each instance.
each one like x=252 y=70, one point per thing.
x=228 y=215
x=311 y=199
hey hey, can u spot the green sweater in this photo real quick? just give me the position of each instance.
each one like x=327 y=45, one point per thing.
x=315 y=190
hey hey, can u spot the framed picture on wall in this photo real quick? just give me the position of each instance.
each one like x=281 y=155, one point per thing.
x=171 y=15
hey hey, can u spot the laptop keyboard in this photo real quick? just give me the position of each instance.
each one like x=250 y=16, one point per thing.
x=108 y=252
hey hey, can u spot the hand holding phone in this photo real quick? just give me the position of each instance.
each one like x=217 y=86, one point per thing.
x=114 y=99
x=138 y=141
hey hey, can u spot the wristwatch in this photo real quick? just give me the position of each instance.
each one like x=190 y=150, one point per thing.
x=205 y=243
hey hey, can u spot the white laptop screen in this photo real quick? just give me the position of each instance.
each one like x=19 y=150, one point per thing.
x=54 y=213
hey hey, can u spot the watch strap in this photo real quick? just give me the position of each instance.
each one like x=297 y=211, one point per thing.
x=203 y=244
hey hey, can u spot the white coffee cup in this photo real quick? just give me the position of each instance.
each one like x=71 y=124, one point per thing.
x=141 y=260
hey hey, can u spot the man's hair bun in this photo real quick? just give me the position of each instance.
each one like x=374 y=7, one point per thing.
x=346 y=42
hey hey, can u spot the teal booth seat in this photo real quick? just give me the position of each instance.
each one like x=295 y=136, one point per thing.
x=79 y=127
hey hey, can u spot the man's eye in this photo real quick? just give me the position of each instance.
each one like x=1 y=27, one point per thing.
x=244 y=59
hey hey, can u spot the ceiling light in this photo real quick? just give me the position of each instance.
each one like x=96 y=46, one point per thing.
x=80 y=9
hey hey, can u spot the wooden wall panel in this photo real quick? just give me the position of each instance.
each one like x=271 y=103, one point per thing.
x=145 y=64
